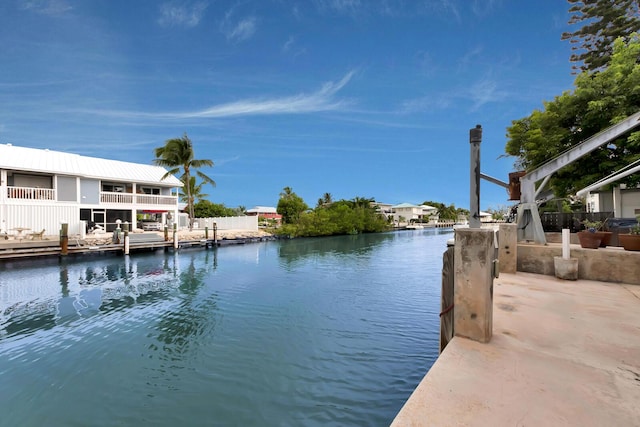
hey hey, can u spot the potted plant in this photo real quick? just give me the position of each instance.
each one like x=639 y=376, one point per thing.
x=631 y=241
x=589 y=238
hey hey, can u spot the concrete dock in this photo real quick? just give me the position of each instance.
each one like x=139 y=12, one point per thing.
x=563 y=353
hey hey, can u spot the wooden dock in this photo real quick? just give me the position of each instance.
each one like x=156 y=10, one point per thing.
x=42 y=248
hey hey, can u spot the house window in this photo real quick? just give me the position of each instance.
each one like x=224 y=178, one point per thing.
x=113 y=188
x=150 y=190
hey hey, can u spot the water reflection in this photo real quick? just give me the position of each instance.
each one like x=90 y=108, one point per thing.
x=181 y=328
x=48 y=295
x=292 y=251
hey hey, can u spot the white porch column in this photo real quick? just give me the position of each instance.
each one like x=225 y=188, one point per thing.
x=617 y=202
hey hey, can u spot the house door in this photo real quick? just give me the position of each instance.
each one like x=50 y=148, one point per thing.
x=99 y=218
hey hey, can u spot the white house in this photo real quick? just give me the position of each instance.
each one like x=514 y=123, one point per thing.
x=40 y=189
x=410 y=213
x=267 y=212
x=622 y=201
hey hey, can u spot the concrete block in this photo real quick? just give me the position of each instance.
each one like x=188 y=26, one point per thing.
x=508 y=248
x=566 y=269
x=473 y=283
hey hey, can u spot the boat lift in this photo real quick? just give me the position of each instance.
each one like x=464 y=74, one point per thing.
x=529 y=223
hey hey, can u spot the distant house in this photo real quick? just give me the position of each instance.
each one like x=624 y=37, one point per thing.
x=384 y=208
x=266 y=212
x=406 y=212
x=40 y=189
x=622 y=201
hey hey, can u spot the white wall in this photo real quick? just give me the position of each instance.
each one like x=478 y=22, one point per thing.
x=38 y=217
x=229 y=223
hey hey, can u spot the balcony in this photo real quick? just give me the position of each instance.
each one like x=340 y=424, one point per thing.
x=139 y=199
x=31 y=193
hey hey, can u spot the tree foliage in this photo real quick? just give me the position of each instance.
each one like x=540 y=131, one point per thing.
x=603 y=21
x=447 y=212
x=194 y=194
x=338 y=218
x=207 y=209
x=599 y=100
x=290 y=206
x=177 y=155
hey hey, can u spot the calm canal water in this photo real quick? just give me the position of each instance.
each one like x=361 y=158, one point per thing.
x=309 y=332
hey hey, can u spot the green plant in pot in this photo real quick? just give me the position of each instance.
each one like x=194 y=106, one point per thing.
x=591 y=237
x=631 y=241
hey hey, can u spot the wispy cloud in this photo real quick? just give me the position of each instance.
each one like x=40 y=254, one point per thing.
x=465 y=61
x=290 y=47
x=321 y=100
x=485 y=91
x=346 y=7
x=47 y=7
x=241 y=30
x=181 y=15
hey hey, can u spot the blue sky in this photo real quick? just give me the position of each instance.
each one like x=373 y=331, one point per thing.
x=367 y=98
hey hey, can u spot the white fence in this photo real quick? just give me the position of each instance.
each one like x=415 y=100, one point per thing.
x=228 y=223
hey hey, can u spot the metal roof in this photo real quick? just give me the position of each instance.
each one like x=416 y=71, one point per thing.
x=262 y=209
x=57 y=162
x=409 y=205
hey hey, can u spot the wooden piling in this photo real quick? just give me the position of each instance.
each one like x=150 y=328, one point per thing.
x=64 y=240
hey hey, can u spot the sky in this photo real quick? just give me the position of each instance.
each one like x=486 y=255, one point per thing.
x=356 y=98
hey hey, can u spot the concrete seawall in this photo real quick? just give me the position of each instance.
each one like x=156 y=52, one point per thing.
x=610 y=264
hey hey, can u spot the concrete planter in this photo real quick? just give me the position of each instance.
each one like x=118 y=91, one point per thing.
x=630 y=242
x=566 y=269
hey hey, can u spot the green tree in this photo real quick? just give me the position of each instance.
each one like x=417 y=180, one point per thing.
x=603 y=21
x=207 y=209
x=177 y=155
x=325 y=200
x=290 y=206
x=194 y=194
x=599 y=100
x=446 y=212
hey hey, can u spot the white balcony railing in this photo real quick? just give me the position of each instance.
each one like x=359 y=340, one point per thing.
x=140 y=199
x=30 y=193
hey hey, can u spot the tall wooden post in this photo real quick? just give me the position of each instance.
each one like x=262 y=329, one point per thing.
x=64 y=240
x=215 y=233
x=175 y=237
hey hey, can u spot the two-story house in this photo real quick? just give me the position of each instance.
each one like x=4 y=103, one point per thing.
x=406 y=212
x=41 y=189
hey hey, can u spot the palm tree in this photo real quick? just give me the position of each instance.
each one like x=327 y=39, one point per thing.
x=196 y=193
x=177 y=155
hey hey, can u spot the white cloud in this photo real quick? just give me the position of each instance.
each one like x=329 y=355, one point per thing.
x=484 y=92
x=242 y=30
x=47 y=7
x=181 y=15
x=321 y=100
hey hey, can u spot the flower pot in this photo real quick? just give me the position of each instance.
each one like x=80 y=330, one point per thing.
x=605 y=238
x=630 y=242
x=589 y=239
